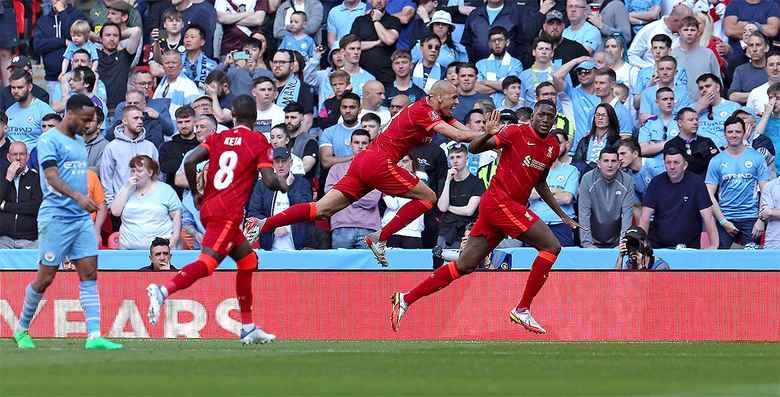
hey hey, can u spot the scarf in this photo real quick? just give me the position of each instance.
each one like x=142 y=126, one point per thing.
x=418 y=76
x=290 y=91
x=506 y=62
x=197 y=71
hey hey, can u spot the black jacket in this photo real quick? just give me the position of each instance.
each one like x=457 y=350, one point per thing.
x=261 y=205
x=18 y=218
x=172 y=154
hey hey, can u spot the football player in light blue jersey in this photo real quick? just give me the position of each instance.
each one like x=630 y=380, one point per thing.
x=25 y=115
x=64 y=224
x=734 y=178
x=713 y=109
x=657 y=130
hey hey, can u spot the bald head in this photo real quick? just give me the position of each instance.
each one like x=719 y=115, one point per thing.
x=442 y=87
x=398 y=103
x=443 y=97
x=373 y=94
x=17 y=152
x=681 y=11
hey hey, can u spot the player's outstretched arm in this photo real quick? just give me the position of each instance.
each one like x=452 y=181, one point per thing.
x=195 y=157
x=272 y=181
x=457 y=132
x=486 y=141
x=56 y=183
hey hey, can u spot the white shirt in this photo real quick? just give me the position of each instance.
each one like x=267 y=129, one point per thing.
x=181 y=92
x=758 y=98
x=281 y=203
x=267 y=119
x=415 y=227
x=640 y=54
x=383 y=113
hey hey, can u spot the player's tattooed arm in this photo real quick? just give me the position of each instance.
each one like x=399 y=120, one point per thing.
x=54 y=180
x=272 y=181
x=198 y=155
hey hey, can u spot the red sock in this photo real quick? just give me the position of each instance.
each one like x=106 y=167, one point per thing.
x=244 y=294
x=439 y=279
x=539 y=270
x=186 y=276
x=297 y=213
x=404 y=216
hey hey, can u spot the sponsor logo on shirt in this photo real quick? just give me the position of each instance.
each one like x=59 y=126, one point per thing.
x=748 y=164
x=531 y=163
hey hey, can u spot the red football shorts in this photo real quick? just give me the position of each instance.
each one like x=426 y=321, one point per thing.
x=497 y=220
x=371 y=170
x=222 y=234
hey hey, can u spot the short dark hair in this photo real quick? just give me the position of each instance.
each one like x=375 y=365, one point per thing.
x=293 y=107
x=542 y=40
x=108 y=25
x=673 y=151
x=283 y=127
x=734 y=120
x=509 y=80
x=428 y=37
x=159 y=242
x=498 y=30
x=349 y=95
x=631 y=144
x=183 y=112
x=82 y=52
x=661 y=90
x=245 y=109
x=663 y=39
x=305 y=17
x=544 y=102
x=668 y=58
x=709 y=76
x=86 y=75
x=3 y=118
x=348 y=39
x=19 y=74
x=471 y=112
x=359 y=132
x=466 y=65
x=542 y=85
x=775 y=87
x=609 y=149
x=773 y=53
x=689 y=21
x=51 y=116
x=605 y=71
x=201 y=31
x=77 y=102
x=262 y=79
x=100 y=116
x=253 y=42
x=371 y=116
x=524 y=113
x=684 y=110
x=217 y=76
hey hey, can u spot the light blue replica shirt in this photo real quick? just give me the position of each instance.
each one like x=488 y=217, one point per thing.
x=647 y=102
x=583 y=105
x=737 y=178
x=495 y=69
x=773 y=133
x=304 y=45
x=340 y=19
x=645 y=76
x=532 y=77
x=711 y=122
x=565 y=177
x=656 y=130
x=70 y=156
x=338 y=137
x=24 y=124
x=587 y=35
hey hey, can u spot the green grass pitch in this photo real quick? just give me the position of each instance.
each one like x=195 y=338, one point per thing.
x=396 y=368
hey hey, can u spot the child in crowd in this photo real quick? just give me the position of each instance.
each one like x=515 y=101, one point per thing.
x=295 y=38
x=329 y=113
x=79 y=32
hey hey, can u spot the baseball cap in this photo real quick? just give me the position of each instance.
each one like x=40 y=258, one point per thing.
x=20 y=61
x=587 y=65
x=509 y=116
x=553 y=15
x=281 y=153
x=636 y=232
x=121 y=6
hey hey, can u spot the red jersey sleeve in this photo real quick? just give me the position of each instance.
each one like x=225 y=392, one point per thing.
x=505 y=136
x=426 y=117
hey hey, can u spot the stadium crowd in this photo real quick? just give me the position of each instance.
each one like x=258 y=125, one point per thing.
x=669 y=111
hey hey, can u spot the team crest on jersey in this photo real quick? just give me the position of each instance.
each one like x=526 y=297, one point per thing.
x=49 y=256
x=30 y=119
x=549 y=152
x=561 y=178
x=531 y=163
x=434 y=115
x=748 y=164
x=528 y=216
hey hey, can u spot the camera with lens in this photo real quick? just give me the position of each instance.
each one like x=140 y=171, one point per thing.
x=637 y=248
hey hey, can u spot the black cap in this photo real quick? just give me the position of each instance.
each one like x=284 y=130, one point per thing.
x=508 y=115
x=20 y=61
x=636 y=232
x=281 y=153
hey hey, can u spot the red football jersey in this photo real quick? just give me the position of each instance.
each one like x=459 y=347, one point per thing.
x=234 y=157
x=409 y=128
x=525 y=157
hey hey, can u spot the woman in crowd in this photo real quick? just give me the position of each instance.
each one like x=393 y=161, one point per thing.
x=441 y=25
x=147 y=207
x=604 y=131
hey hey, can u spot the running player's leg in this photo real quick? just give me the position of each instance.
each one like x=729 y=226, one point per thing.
x=423 y=199
x=333 y=201
x=246 y=264
x=203 y=266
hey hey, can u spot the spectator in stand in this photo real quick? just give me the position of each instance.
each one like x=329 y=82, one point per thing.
x=295 y=38
x=467 y=91
x=563 y=180
x=24 y=116
x=493 y=69
x=660 y=47
x=172 y=152
x=744 y=17
x=564 y=49
x=372 y=100
x=329 y=111
x=341 y=18
x=21 y=62
x=269 y=113
x=174 y=85
x=97 y=12
x=751 y=74
x=217 y=88
x=411 y=235
x=509 y=97
x=290 y=86
x=195 y=64
x=302 y=143
x=612 y=17
x=638 y=253
x=50 y=37
x=427 y=70
x=713 y=108
x=351 y=46
x=239 y=19
x=281 y=139
x=770 y=214
x=265 y=202
x=679 y=205
x=115 y=60
x=579 y=29
x=159 y=256
x=409 y=13
x=640 y=53
x=698 y=150
x=284 y=12
x=81 y=81
x=540 y=71
x=582 y=97
x=603 y=133
x=397 y=104
x=20 y=198
x=658 y=130
x=630 y=155
x=5 y=142
x=241 y=73
x=458 y=198
x=759 y=96
x=547 y=91
x=603 y=86
x=142 y=80
x=665 y=72
x=691 y=56
x=350 y=225
x=642 y=12
x=479 y=22
x=441 y=25
x=403 y=83
x=769 y=125
x=625 y=73
x=147 y=207
x=378 y=32
x=79 y=33
x=50 y=121
x=733 y=178
x=200 y=13
x=94 y=140
x=158 y=128
x=606 y=198
x=371 y=123
x=130 y=141
x=170 y=37
x=335 y=147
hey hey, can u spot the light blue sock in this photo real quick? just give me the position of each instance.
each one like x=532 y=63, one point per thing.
x=31 y=300
x=90 y=303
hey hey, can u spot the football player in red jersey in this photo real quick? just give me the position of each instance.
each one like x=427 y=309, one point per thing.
x=376 y=168
x=527 y=153
x=234 y=156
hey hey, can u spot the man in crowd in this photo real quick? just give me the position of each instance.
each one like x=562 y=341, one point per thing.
x=744 y=17
x=158 y=128
x=678 y=204
x=665 y=72
x=751 y=74
x=660 y=47
x=172 y=152
x=427 y=70
x=24 y=116
x=565 y=49
x=114 y=61
x=691 y=56
x=713 y=108
x=50 y=38
x=540 y=71
x=373 y=100
x=269 y=113
x=698 y=150
x=195 y=64
x=378 y=31
x=603 y=86
x=20 y=198
x=403 y=83
x=606 y=198
x=341 y=18
x=21 y=62
x=579 y=29
x=333 y=141
x=290 y=88
x=95 y=141
x=302 y=143
x=174 y=85
x=582 y=97
x=640 y=52
x=479 y=22
x=458 y=199
x=467 y=90
x=493 y=69
x=159 y=256
x=733 y=178
x=203 y=14
x=631 y=163
x=656 y=131
x=239 y=19
x=759 y=97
